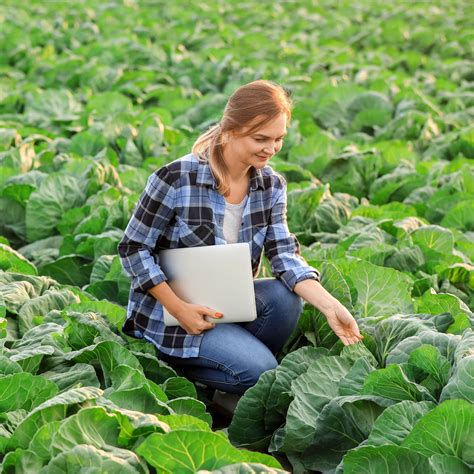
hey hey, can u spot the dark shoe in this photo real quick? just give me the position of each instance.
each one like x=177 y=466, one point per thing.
x=225 y=403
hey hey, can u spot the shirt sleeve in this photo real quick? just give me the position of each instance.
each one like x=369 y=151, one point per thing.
x=282 y=248
x=152 y=214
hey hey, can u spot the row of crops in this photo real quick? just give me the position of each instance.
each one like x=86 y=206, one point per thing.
x=94 y=97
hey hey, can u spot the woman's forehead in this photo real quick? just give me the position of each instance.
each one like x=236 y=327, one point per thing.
x=276 y=126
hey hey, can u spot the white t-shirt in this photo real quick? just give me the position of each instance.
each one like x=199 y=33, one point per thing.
x=232 y=220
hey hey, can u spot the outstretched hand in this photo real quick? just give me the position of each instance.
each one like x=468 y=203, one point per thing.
x=343 y=323
x=338 y=316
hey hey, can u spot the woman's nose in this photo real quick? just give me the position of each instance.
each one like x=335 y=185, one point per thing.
x=270 y=149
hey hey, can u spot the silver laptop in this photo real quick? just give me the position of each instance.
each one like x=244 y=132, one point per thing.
x=218 y=276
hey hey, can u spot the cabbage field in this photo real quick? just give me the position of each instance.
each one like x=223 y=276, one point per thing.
x=95 y=96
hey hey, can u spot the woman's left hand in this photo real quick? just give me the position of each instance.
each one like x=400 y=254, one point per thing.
x=343 y=323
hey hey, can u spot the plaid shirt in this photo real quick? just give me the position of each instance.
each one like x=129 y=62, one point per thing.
x=181 y=207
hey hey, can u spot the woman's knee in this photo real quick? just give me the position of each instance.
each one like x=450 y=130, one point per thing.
x=274 y=294
x=255 y=367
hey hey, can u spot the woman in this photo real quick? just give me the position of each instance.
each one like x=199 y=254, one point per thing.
x=225 y=192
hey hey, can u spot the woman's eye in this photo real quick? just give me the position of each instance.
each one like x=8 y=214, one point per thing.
x=263 y=139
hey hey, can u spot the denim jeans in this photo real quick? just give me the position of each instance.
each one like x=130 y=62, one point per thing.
x=232 y=356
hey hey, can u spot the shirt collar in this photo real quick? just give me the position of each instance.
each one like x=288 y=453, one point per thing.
x=206 y=178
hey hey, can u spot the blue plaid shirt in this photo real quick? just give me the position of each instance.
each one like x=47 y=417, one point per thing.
x=181 y=207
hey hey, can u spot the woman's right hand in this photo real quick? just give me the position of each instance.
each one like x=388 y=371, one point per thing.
x=191 y=318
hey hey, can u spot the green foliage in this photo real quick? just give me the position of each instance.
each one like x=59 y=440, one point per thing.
x=378 y=161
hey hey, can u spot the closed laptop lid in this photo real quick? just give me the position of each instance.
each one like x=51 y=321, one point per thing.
x=217 y=276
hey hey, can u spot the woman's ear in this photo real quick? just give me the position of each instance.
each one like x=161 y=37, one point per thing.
x=225 y=137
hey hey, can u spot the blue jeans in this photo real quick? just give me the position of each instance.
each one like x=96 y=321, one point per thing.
x=232 y=356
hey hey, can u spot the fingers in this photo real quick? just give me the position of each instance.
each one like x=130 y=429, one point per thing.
x=215 y=315
x=212 y=313
x=203 y=326
x=352 y=330
x=355 y=330
x=350 y=336
x=353 y=334
x=208 y=326
x=344 y=340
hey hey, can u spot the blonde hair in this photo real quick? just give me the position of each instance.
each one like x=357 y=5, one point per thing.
x=257 y=98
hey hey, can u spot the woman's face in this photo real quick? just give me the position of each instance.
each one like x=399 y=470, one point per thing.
x=257 y=148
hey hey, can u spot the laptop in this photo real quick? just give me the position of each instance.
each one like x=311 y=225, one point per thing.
x=218 y=276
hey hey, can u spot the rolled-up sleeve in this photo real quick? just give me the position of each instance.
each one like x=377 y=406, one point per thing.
x=152 y=214
x=282 y=248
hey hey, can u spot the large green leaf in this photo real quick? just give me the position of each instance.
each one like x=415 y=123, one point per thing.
x=312 y=323
x=280 y=396
x=386 y=460
x=343 y=424
x=30 y=359
x=85 y=329
x=114 y=313
x=49 y=202
x=68 y=270
x=13 y=261
x=445 y=343
x=392 y=383
x=91 y=459
x=40 y=283
x=391 y=331
x=447 y=429
x=190 y=406
x=184 y=422
x=87 y=144
x=54 y=409
x=436 y=303
x=244 y=468
x=302 y=204
x=91 y=426
x=22 y=460
x=48 y=333
x=176 y=387
x=78 y=375
x=135 y=424
x=312 y=391
x=460 y=216
x=433 y=239
x=154 y=369
x=380 y=291
x=248 y=427
x=428 y=359
x=43 y=251
x=16 y=293
x=190 y=451
x=397 y=421
x=23 y=390
x=461 y=383
x=19 y=188
x=106 y=354
x=465 y=347
x=131 y=390
x=353 y=382
x=41 y=305
x=44 y=107
x=8 y=366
